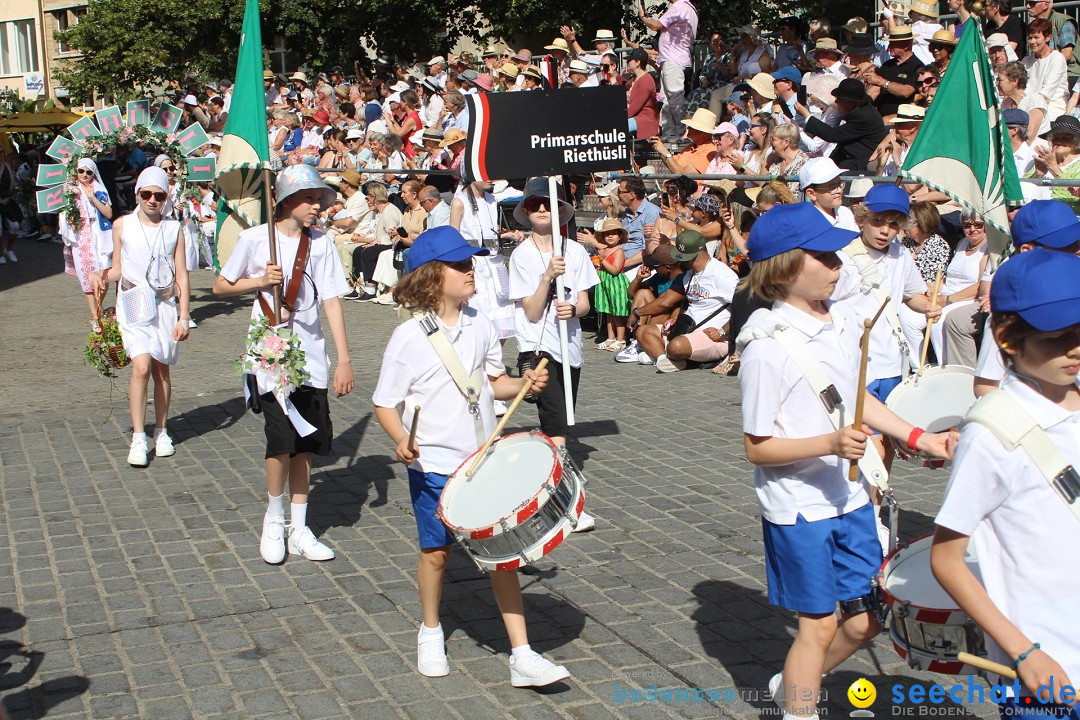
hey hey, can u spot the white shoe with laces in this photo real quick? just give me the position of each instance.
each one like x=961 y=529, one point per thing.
x=163 y=446
x=534 y=670
x=431 y=654
x=303 y=542
x=10 y=255
x=629 y=353
x=585 y=523
x=644 y=358
x=137 y=454
x=665 y=364
x=272 y=543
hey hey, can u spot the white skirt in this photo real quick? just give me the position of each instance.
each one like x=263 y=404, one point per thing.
x=156 y=338
x=493 y=293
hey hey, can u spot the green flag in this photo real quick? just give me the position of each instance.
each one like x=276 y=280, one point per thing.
x=245 y=149
x=962 y=148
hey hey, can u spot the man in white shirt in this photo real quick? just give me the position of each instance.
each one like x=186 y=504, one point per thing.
x=438 y=212
x=1047 y=69
x=1016 y=121
x=581 y=75
x=436 y=68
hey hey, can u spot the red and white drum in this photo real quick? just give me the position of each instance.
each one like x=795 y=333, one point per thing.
x=935 y=400
x=927 y=628
x=518 y=506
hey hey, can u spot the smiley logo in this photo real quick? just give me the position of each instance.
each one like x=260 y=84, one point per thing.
x=862 y=693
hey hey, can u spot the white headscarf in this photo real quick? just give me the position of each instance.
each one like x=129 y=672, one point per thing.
x=85 y=163
x=102 y=237
x=154 y=176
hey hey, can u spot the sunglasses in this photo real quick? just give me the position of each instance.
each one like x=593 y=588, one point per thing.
x=145 y=195
x=929 y=81
x=967 y=225
x=85 y=171
x=757 y=126
x=462 y=266
x=533 y=204
x=934 y=47
x=167 y=168
x=831 y=187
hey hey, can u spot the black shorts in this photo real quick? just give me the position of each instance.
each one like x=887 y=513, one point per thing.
x=281 y=436
x=551 y=403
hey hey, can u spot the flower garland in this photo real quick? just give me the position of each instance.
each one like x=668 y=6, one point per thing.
x=104 y=345
x=154 y=142
x=274 y=355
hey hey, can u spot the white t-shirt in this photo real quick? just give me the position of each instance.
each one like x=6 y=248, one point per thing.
x=709 y=289
x=901 y=280
x=1025 y=536
x=527 y=266
x=324 y=278
x=412 y=373
x=1049 y=77
x=844 y=218
x=777 y=401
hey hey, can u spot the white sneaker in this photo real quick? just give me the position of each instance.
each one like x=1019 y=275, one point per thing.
x=776 y=690
x=585 y=523
x=272 y=543
x=191 y=324
x=137 y=453
x=535 y=671
x=303 y=542
x=431 y=655
x=163 y=446
x=500 y=408
x=666 y=365
x=10 y=255
x=385 y=298
x=644 y=358
x=629 y=353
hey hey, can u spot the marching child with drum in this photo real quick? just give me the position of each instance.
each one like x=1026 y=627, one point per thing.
x=415 y=373
x=1014 y=487
x=799 y=363
x=297 y=425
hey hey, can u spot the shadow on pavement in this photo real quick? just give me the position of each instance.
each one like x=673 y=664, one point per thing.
x=37 y=261
x=18 y=666
x=206 y=419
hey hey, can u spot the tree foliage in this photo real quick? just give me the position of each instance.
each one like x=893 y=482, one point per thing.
x=129 y=46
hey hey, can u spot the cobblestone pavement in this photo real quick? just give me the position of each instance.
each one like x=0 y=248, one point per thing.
x=140 y=593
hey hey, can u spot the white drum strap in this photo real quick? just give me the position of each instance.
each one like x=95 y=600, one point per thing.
x=871 y=466
x=469 y=385
x=893 y=318
x=1014 y=427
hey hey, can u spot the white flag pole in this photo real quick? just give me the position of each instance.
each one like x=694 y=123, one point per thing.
x=558 y=245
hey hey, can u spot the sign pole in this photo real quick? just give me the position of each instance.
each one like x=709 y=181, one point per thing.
x=558 y=244
x=268 y=207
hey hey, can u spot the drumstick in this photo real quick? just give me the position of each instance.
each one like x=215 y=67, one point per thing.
x=930 y=321
x=505 y=418
x=988 y=665
x=412 y=430
x=860 y=398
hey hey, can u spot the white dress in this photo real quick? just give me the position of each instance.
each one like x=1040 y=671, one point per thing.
x=481 y=228
x=964 y=271
x=149 y=254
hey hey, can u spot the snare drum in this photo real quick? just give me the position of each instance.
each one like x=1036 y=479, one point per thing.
x=927 y=628
x=519 y=505
x=935 y=401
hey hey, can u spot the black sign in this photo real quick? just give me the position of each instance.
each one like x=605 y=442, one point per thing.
x=547 y=132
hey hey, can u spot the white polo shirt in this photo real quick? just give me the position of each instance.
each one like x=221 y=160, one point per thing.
x=901 y=280
x=1025 y=536
x=413 y=373
x=777 y=401
x=844 y=218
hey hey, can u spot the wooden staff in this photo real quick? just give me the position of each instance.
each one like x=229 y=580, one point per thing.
x=930 y=322
x=412 y=431
x=988 y=665
x=268 y=208
x=860 y=398
x=558 y=245
x=502 y=423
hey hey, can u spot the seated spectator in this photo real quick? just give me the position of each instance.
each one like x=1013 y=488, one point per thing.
x=788 y=158
x=507 y=76
x=1012 y=82
x=581 y=74
x=928 y=80
x=791 y=50
x=1016 y=123
x=890 y=155
x=929 y=249
x=695 y=158
x=707 y=287
x=438 y=212
x=1062 y=159
x=531 y=79
x=942 y=47
x=827 y=56
x=750 y=55
x=893 y=83
x=725 y=138
x=819 y=179
x=650 y=282
x=861 y=132
x=387 y=220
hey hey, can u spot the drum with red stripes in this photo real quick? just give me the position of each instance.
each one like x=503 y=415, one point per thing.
x=523 y=500
x=927 y=627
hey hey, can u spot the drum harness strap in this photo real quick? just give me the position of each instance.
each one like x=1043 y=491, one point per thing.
x=871 y=465
x=469 y=385
x=1014 y=427
x=893 y=318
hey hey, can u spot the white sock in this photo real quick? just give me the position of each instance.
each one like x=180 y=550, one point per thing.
x=298 y=514
x=138 y=436
x=521 y=651
x=277 y=505
x=425 y=631
x=158 y=432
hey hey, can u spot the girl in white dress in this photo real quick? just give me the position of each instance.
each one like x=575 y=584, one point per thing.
x=89 y=246
x=149 y=261
x=961 y=282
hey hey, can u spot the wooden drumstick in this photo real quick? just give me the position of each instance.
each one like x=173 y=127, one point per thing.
x=412 y=430
x=930 y=322
x=505 y=418
x=860 y=398
x=988 y=665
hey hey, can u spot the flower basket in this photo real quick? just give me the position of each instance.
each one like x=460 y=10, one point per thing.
x=104 y=345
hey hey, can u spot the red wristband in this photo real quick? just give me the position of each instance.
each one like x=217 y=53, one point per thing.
x=913 y=439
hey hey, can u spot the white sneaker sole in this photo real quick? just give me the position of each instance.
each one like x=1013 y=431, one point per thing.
x=165 y=453
x=518 y=682
x=139 y=461
x=440 y=671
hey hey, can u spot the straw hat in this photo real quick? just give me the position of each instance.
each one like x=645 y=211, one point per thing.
x=762 y=84
x=453 y=135
x=901 y=33
x=928 y=8
x=908 y=114
x=302 y=77
x=825 y=44
x=612 y=225
x=533 y=72
x=943 y=37
x=604 y=36
x=702 y=120
x=558 y=44
x=490 y=51
x=856 y=25
x=510 y=70
x=577 y=66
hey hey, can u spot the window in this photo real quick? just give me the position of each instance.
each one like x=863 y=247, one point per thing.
x=18 y=47
x=65 y=20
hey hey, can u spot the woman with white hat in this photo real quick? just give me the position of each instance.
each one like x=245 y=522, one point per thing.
x=751 y=54
x=88 y=247
x=150 y=263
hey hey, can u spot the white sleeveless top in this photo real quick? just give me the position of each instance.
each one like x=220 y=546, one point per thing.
x=483 y=224
x=964 y=270
x=149 y=252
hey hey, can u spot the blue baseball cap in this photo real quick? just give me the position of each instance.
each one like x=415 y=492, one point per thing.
x=1016 y=116
x=788 y=73
x=441 y=243
x=886 y=196
x=1045 y=222
x=1042 y=286
x=787 y=227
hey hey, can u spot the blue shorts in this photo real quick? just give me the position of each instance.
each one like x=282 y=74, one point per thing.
x=1014 y=709
x=425 y=489
x=811 y=566
x=882 y=387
